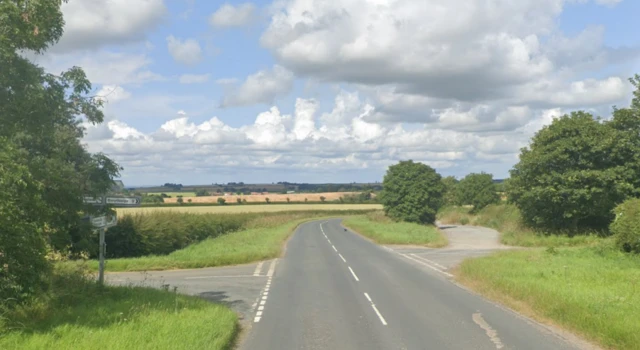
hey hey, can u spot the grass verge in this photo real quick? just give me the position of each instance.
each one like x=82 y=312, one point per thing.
x=591 y=291
x=77 y=314
x=506 y=219
x=263 y=239
x=383 y=230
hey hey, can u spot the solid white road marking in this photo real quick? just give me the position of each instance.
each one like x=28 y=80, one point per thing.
x=353 y=273
x=231 y=276
x=342 y=257
x=334 y=247
x=258 y=269
x=491 y=333
x=373 y=306
x=427 y=265
x=429 y=261
x=272 y=267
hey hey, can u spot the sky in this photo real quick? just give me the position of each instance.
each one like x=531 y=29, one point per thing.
x=200 y=92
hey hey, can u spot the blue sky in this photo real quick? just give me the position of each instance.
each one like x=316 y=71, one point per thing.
x=200 y=92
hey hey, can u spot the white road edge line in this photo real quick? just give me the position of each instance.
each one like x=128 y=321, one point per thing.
x=384 y=322
x=272 y=267
x=429 y=261
x=342 y=257
x=427 y=265
x=491 y=333
x=258 y=269
x=353 y=273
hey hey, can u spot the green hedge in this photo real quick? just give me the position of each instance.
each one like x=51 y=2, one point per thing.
x=164 y=232
x=626 y=226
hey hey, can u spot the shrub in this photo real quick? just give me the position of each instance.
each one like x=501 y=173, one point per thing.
x=323 y=198
x=626 y=225
x=239 y=200
x=221 y=201
x=267 y=199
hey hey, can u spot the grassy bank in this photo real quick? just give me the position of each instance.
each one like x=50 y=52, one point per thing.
x=505 y=218
x=386 y=231
x=262 y=239
x=254 y=208
x=79 y=315
x=591 y=291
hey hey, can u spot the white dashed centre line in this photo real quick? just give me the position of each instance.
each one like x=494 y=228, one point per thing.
x=342 y=257
x=353 y=273
x=334 y=248
x=264 y=294
x=373 y=306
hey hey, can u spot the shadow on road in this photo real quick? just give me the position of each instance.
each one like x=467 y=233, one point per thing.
x=446 y=227
x=220 y=297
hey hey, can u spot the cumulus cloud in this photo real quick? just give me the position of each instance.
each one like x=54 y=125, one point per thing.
x=233 y=16
x=194 y=78
x=338 y=140
x=90 y=24
x=262 y=87
x=187 y=51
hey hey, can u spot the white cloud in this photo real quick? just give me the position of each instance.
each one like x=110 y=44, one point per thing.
x=229 y=16
x=90 y=24
x=194 y=78
x=262 y=87
x=186 y=51
x=110 y=94
x=103 y=67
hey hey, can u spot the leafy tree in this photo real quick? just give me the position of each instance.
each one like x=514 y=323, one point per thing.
x=44 y=164
x=477 y=190
x=450 y=190
x=288 y=199
x=180 y=200
x=221 y=201
x=267 y=200
x=239 y=200
x=323 y=198
x=189 y=200
x=202 y=193
x=576 y=170
x=412 y=192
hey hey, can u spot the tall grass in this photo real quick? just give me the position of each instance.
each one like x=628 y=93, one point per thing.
x=506 y=219
x=262 y=238
x=77 y=314
x=383 y=230
x=594 y=291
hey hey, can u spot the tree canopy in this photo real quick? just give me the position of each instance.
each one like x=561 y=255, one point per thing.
x=412 y=192
x=41 y=117
x=477 y=190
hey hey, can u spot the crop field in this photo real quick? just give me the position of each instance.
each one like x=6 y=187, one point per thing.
x=251 y=208
x=262 y=198
x=174 y=194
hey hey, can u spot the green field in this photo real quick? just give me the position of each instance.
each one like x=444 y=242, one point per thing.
x=594 y=292
x=386 y=231
x=80 y=315
x=222 y=209
x=263 y=239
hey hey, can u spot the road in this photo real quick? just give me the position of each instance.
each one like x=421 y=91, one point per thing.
x=334 y=289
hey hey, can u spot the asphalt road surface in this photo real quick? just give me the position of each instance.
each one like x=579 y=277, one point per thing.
x=334 y=289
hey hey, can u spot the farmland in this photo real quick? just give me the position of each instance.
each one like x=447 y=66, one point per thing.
x=251 y=208
x=261 y=198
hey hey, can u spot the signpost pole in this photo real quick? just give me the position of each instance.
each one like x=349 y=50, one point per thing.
x=102 y=251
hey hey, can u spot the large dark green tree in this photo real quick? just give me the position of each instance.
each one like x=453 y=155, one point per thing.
x=576 y=170
x=44 y=164
x=477 y=190
x=450 y=190
x=412 y=192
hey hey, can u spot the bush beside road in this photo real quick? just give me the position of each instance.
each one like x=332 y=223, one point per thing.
x=383 y=230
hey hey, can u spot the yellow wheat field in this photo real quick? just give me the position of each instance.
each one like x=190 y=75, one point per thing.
x=250 y=208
